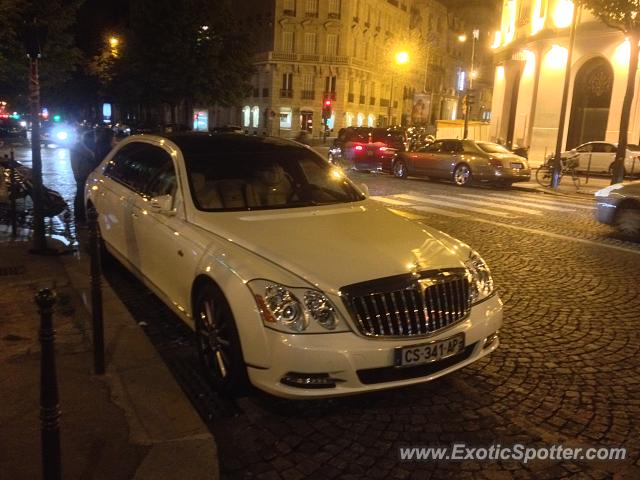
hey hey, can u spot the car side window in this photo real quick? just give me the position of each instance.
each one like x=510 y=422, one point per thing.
x=434 y=147
x=608 y=148
x=453 y=146
x=589 y=147
x=144 y=168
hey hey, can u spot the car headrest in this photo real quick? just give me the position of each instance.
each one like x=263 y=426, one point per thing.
x=271 y=175
x=198 y=181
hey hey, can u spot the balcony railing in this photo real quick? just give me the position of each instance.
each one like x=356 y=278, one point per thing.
x=335 y=59
x=307 y=57
x=308 y=94
x=362 y=99
x=335 y=15
x=372 y=100
x=311 y=14
x=288 y=57
x=329 y=95
x=289 y=13
x=286 y=93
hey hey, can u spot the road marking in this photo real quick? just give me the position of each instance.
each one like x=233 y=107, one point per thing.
x=510 y=208
x=556 y=235
x=407 y=215
x=422 y=199
x=390 y=201
x=541 y=199
x=439 y=211
x=516 y=202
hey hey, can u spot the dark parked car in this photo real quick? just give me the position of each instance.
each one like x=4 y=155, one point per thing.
x=11 y=131
x=366 y=148
x=463 y=161
x=619 y=205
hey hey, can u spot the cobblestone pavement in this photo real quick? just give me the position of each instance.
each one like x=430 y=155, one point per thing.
x=567 y=371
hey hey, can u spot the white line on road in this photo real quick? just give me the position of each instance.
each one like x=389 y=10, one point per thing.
x=516 y=202
x=439 y=211
x=408 y=215
x=390 y=201
x=450 y=204
x=542 y=199
x=488 y=203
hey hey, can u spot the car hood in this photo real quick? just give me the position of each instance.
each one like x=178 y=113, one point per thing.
x=337 y=245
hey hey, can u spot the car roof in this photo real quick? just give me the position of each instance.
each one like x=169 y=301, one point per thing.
x=199 y=141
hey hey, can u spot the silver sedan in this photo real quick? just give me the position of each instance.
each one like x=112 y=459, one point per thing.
x=463 y=161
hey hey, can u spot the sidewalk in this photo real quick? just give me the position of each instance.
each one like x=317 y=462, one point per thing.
x=134 y=422
x=586 y=190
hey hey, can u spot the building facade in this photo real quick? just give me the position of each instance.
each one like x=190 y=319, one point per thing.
x=308 y=52
x=532 y=53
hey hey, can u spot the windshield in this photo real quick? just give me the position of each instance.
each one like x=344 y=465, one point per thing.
x=488 y=147
x=262 y=180
x=633 y=148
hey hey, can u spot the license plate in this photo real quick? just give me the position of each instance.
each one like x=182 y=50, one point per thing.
x=428 y=352
x=517 y=166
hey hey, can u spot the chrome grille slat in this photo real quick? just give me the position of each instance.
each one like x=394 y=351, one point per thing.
x=410 y=308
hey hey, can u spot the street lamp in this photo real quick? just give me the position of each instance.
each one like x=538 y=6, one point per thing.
x=472 y=76
x=114 y=43
x=401 y=58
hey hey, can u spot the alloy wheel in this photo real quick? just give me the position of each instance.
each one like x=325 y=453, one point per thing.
x=628 y=223
x=399 y=169
x=462 y=175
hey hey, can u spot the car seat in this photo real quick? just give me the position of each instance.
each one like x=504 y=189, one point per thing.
x=269 y=187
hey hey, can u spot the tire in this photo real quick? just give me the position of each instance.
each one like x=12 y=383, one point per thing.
x=627 y=222
x=332 y=160
x=544 y=175
x=399 y=169
x=462 y=175
x=218 y=342
x=610 y=171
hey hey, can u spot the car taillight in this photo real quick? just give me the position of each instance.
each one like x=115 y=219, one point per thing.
x=358 y=148
x=383 y=149
x=494 y=162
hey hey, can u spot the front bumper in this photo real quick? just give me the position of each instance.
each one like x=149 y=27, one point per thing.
x=360 y=364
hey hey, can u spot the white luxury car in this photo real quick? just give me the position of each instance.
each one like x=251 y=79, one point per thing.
x=291 y=278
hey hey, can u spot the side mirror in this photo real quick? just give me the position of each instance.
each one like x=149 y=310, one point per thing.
x=162 y=204
x=364 y=189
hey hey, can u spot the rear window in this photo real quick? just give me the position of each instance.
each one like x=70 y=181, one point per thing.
x=633 y=147
x=489 y=147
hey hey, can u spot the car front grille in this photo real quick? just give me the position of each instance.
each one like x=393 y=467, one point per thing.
x=409 y=305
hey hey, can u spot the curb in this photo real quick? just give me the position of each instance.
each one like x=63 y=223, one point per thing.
x=157 y=411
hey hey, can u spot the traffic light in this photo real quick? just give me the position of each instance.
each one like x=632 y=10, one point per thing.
x=327 y=109
x=471 y=97
x=57 y=118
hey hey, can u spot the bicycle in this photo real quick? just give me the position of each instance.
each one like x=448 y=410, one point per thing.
x=544 y=173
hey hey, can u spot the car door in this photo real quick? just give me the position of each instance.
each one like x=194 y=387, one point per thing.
x=112 y=200
x=164 y=255
x=602 y=156
x=447 y=158
x=422 y=161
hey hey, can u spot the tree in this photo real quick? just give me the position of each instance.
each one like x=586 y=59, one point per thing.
x=623 y=15
x=178 y=53
x=60 y=57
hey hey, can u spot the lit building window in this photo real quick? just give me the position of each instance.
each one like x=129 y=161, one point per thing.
x=246 y=116
x=310 y=43
x=360 y=120
x=255 y=117
x=287 y=42
x=285 y=118
x=348 y=119
x=371 y=120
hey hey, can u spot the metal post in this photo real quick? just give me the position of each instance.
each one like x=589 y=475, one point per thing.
x=39 y=240
x=49 y=406
x=467 y=109
x=96 y=292
x=557 y=164
x=586 y=180
x=390 y=103
x=12 y=195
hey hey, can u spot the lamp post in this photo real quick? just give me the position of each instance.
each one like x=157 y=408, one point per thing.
x=401 y=58
x=472 y=75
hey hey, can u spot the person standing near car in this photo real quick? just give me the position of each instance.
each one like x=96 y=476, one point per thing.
x=82 y=159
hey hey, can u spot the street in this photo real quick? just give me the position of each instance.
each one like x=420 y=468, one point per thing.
x=566 y=371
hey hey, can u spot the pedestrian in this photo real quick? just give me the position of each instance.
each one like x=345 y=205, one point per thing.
x=105 y=140
x=82 y=159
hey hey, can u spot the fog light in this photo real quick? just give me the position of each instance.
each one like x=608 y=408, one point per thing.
x=491 y=339
x=309 y=380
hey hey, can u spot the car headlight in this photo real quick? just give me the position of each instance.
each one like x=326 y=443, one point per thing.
x=294 y=309
x=481 y=281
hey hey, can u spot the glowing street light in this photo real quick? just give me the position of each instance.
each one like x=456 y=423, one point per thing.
x=401 y=58
x=114 y=42
x=473 y=74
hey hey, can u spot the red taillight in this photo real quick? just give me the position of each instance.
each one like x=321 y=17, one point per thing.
x=494 y=162
x=383 y=149
x=358 y=148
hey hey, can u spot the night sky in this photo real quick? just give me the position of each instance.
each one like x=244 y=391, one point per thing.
x=97 y=19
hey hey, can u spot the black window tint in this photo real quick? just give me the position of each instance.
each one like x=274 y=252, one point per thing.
x=143 y=168
x=451 y=146
x=586 y=148
x=597 y=147
x=608 y=148
x=434 y=147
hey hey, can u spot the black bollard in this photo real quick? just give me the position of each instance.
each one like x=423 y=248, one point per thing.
x=96 y=292
x=49 y=406
x=13 y=191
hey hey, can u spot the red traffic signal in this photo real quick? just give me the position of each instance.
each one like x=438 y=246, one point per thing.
x=326 y=109
x=327 y=103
